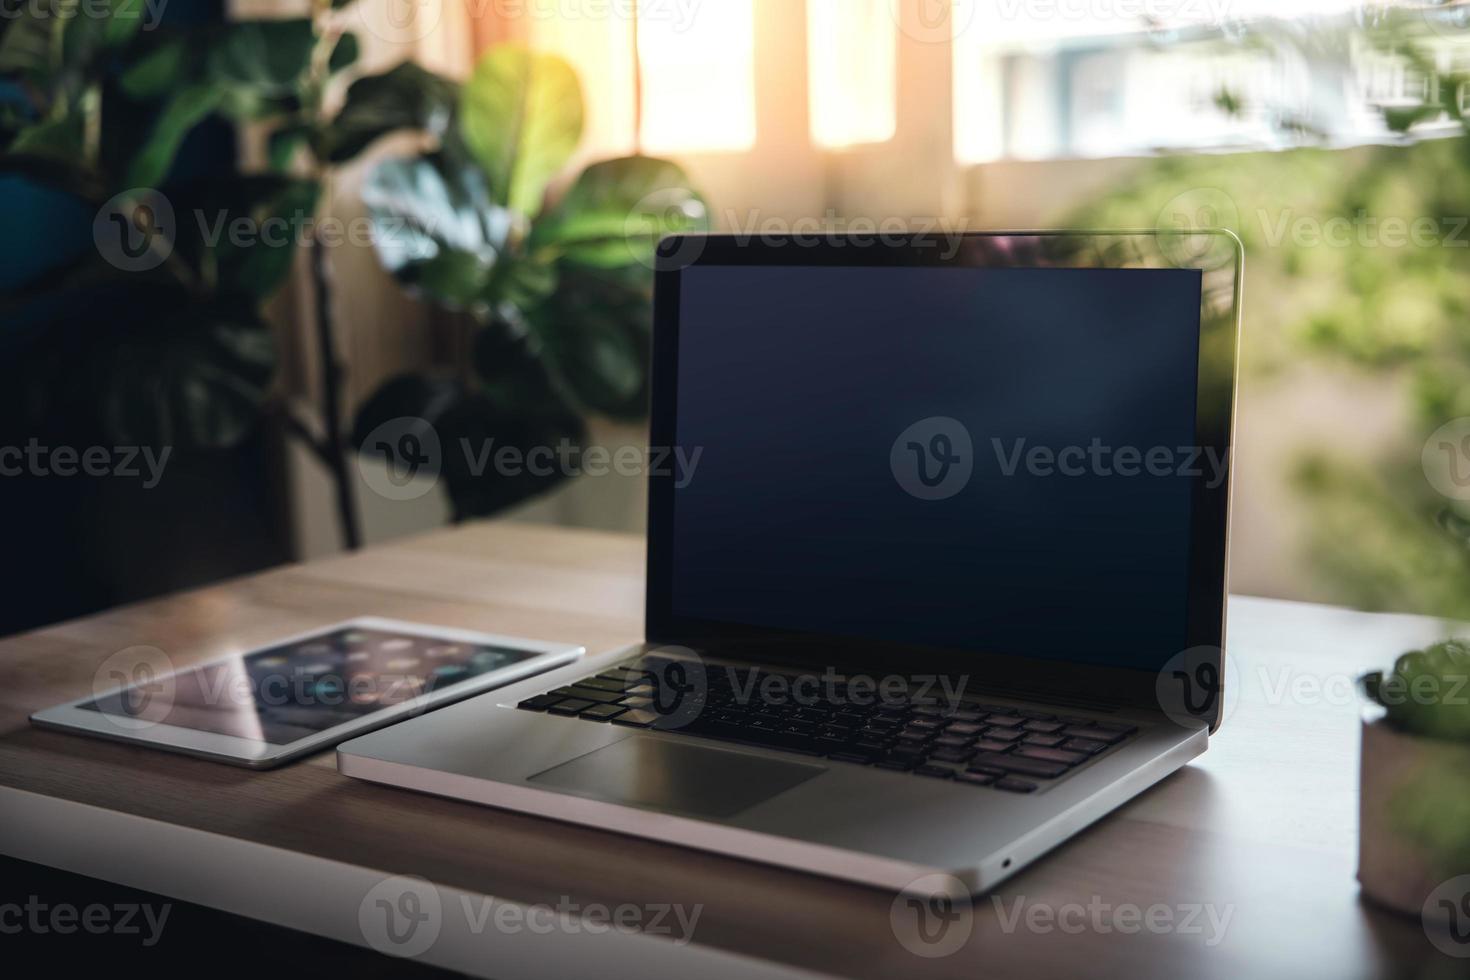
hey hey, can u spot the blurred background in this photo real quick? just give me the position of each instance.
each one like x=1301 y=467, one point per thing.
x=244 y=242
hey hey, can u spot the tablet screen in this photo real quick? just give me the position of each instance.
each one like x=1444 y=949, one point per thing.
x=289 y=692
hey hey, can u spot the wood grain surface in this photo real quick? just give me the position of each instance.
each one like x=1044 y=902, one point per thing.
x=1240 y=865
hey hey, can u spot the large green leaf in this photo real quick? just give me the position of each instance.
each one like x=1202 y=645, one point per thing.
x=252 y=262
x=264 y=265
x=470 y=427
x=170 y=368
x=437 y=232
x=60 y=138
x=128 y=17
x=266 y=57
x=521 y=116
x=593 y=333
x=405 y=97
x=345 y=54
x=257 y=66
x=87 y=35
x=160 y=67
x=150 y=165
x=618 y=210
x=197 y=376
x=30 y=32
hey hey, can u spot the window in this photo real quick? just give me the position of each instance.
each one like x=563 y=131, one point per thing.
x=699 y=78
x=1092 y=78
x=852 y=56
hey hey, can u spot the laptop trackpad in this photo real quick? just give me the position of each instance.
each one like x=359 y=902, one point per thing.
x=673 y=776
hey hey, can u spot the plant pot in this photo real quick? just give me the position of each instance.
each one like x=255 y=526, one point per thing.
x=1397 y=867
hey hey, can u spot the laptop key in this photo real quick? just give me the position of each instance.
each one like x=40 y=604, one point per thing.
x=599 y=684
x=1044 y=727
x=602 y=712
x=569 y=706
x=1050 y=755
x=990 y=745
x=964 y=728
x=901 y=764
x=861 y=758
x=975 y=778
x=1015 y=785
x=1046 y=741
x=1017 y=764
x=539 y=703
x=622 y=675
x=1090 y=746
x=1096 y=734
x=1006 y=721
x=636 y=718
x=587 y=694
x=1002 y=734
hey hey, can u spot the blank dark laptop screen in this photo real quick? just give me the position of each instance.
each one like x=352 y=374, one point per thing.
x=991 y=459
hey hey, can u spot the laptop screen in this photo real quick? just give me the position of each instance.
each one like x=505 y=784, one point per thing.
x=989 y=459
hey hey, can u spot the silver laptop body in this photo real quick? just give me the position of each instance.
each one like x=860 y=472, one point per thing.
x=722 y=733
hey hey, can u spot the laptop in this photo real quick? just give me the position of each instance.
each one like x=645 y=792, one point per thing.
x=936 y=559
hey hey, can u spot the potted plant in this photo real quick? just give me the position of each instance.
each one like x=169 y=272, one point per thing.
x=1414 y=826
x=548 y=275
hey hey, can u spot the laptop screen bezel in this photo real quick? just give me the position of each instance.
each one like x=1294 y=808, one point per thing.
x=1220 y=260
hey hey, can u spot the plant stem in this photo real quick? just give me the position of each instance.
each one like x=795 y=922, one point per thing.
x=335 y=456
x=335 y=443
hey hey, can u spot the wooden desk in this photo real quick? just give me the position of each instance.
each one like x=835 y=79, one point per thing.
x=1262 y=828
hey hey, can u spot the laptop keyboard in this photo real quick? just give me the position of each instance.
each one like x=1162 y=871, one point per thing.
x=968 y=741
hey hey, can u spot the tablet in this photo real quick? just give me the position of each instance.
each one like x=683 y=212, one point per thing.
x=300 y=695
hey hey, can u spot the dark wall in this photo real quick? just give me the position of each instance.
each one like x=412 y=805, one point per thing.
x=79 y=543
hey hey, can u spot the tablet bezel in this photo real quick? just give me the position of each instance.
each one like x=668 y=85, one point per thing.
x=71 y=716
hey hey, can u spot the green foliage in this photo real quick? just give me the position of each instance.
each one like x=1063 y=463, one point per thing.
x=1431 y=807
x=1362 y=256
x=406 y=97
x=521 y=118
x=558 y=293
x=1336 y=268
x=187 y=359
x=1427 y=692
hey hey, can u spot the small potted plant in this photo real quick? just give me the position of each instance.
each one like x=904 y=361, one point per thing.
x=1414 y=815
